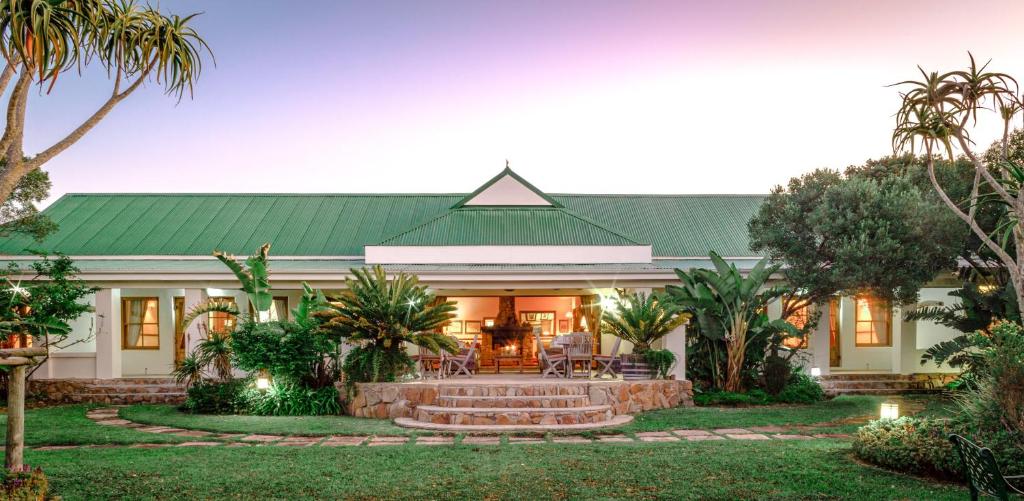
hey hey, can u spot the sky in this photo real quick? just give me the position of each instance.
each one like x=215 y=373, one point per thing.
x=591 y=96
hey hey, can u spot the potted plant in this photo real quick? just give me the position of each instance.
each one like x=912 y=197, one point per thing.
x=643 y=319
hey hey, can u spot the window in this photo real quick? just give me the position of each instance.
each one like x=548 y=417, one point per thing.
x=799 y=319
x=220 y=321
x=279 y=308
x=140 y=323
x=873 y=322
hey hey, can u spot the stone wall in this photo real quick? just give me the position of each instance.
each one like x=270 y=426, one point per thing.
x=394 y=400
x=106 y=391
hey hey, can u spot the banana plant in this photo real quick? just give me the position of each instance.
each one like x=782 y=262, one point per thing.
x=255 y=282
x=726 y=305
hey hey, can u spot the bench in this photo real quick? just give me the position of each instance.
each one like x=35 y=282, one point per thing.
x=982 y=471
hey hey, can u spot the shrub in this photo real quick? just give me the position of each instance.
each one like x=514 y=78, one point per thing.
x=27 y=484
x=290 y=399
x=752 y=397
x=801 y=389
x=922 y=447
x=216 y=397
x=290 y=351
x=659 y=362
x=368 y=363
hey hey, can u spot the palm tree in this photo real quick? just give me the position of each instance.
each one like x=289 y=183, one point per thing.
x=642 y=319
x=41 y=39
x=725 y=305
x=379 y=315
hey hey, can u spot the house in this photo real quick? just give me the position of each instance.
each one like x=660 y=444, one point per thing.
x=505 y=245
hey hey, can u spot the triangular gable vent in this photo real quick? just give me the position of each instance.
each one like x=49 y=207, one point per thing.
x=507 y=189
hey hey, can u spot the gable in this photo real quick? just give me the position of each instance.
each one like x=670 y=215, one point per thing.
x=507 y=189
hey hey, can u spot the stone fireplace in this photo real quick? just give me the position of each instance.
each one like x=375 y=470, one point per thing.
x=507 y=338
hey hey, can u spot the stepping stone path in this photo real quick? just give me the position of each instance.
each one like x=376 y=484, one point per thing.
x=108 y=416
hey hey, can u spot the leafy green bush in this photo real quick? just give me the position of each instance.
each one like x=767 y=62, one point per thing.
x=659 y=362
x=27 y=484
x=800 y=389
x=290 y=351
x=922 y=447
x=290 y=399
x=370 y=363
x=752 y=397
x=216 y=397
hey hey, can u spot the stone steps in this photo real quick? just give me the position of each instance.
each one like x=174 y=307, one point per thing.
x=878 y=384
x=512 y=390
x=503 y=416
x=515 y=402
x=538 y=428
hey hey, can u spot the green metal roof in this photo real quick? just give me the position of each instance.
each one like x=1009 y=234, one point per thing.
x=508 y=226
x=341 y=225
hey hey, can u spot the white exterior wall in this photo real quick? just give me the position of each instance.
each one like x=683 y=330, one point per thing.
x=152 y=362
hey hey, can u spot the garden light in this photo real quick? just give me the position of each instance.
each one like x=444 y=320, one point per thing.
x=815 y=371
x=263 y=380
x=890 y=410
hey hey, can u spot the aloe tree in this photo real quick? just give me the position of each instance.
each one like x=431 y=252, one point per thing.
x=726 y=304
x=379 y=315
x=255 y=282
x=937 y=115
x=41 y=40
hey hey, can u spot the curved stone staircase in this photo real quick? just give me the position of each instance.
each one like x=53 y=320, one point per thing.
x=508 y=407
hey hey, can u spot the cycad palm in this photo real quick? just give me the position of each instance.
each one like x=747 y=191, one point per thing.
x=380 y=314
x=642 y=319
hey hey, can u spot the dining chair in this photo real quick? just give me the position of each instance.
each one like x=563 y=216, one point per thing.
x=606 y=363
x=550 y=365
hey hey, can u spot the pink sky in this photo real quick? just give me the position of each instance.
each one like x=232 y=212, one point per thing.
x=588 y=96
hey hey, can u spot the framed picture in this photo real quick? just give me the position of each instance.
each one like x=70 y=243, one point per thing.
x=563 y=325
x=472 y=327
x=532 y=317
x=454 y=327
x=488 y=321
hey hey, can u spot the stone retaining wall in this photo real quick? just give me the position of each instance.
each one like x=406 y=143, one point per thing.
x=394 y=400
x=107 y=391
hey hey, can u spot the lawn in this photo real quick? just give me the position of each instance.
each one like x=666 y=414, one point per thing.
x=168 y=415
x=840 y=415
x=717 y=470
x=67 y=424
x=722 y=470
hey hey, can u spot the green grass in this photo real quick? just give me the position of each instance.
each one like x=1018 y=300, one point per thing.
x=67 y=424
x=704 y=470
x=168 y=415
x=840 y=415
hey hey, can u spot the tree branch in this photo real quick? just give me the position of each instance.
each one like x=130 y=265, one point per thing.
x=87 y=125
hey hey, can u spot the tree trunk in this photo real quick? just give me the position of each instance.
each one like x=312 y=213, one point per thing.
x=15 y=446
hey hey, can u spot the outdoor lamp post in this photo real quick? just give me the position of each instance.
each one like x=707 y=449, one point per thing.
x=890 y=410
x=263 y=380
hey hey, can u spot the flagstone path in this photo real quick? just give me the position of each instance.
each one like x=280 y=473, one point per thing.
x=108 y=416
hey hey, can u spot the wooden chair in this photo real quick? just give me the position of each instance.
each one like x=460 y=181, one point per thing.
x=606 y=363
x=463 y=363
x=425 y=361
x=550 y=365
x=982 y=471
x=580 y=349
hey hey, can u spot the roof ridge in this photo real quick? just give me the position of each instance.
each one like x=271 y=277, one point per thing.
x=414 y=228
x=595 y=223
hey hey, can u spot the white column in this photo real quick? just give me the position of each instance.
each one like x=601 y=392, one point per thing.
x=675 y=342
x=193 y=335
x=897 y=342
x=108 y=334
x=820 y=342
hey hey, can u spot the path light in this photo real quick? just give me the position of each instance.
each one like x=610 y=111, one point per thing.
x=890 y=410
x=263 y=380
x=815 y=371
